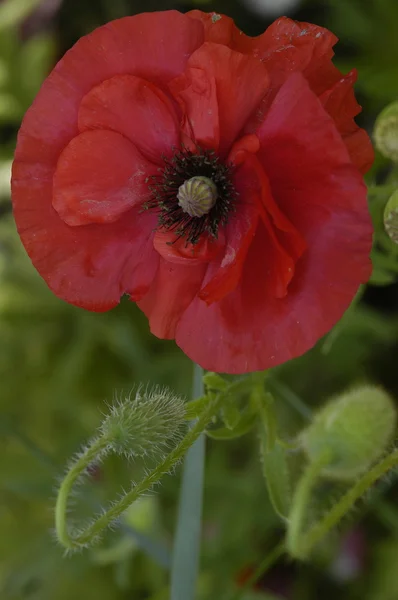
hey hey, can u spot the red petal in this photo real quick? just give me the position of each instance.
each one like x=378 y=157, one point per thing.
x=288 y=244
x=286 y=46
x=172 y=290
x=340 y=103
x=221 y=29
x=100 y=175
x=302 y=152
x=289 y=46
x=224 y=275
x=180 y=252
x=250 y=331
x=90 y=266
x=136 y=109
x=360 y=149
x=323 y=195
x=196 y=93
x=233 y=74
x=155 y=46
x=254 y=201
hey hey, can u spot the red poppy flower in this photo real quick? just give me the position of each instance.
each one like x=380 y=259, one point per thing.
x=213 y=177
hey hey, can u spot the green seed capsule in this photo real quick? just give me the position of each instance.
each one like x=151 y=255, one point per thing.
x=197 y=196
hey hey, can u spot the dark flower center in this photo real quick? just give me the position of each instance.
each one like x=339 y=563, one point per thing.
x=193 y=194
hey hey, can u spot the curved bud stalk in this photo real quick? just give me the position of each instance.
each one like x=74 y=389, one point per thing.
x=152 y=423
x=345 y=439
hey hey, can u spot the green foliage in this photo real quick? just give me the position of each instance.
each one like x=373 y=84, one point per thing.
x=34 y=59
x=368 y=28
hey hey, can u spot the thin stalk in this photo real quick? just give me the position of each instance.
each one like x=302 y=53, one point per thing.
x=186 y=552
x=300 y=505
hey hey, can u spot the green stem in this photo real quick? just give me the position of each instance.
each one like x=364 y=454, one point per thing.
x=92 y=453
x=186 y=553
x=337 y=512
x=264 y=404
x=82 y=538
x=300 y=505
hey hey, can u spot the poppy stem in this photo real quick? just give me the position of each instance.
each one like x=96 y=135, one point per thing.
x=300 y=505
x=186 y=553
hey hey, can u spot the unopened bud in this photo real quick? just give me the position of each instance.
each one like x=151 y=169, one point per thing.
x=150 y=423
x=354 y=428
x=386 y=132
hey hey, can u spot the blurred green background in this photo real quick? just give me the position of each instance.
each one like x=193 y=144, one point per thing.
x=59 y=364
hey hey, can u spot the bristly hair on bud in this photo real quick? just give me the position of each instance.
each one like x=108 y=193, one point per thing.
x=147 y=423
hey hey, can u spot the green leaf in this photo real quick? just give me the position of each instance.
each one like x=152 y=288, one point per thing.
x=231 y=415
x=195 y=407
x=215 y=382
x=266 y=410
x=277 y=476
x=244 y=425
x=382 y=277
x=275 y=466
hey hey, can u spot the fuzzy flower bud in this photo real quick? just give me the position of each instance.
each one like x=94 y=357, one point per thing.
x=152 y=422
x=197 y=196
x=355 y=427
x=386 y=132
x=391 y=217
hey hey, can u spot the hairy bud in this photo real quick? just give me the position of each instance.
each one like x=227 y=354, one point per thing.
x=150 y=423
x=355 y=428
